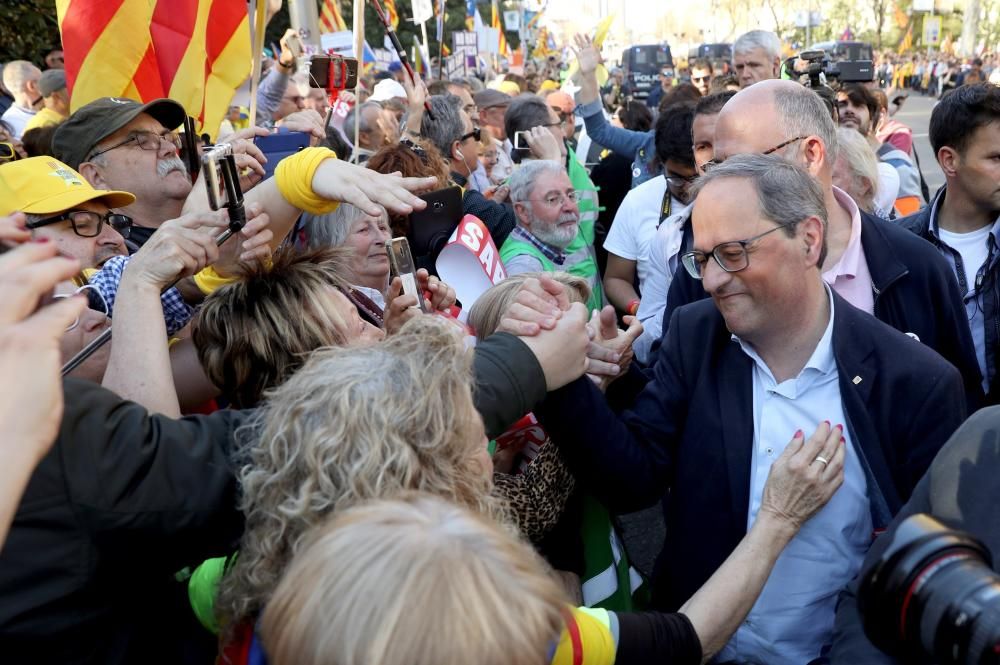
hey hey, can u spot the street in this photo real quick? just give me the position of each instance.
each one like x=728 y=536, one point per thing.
x=916 y=113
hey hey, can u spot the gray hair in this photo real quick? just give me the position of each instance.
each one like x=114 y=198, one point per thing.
x=524 y=112
x=786 y=193
x=522 y=183
x=803 y=113
x=758 y=39
x=332 y=229
x=447 y=126
x=356 y=115
x=16 y=74
x=860 y=159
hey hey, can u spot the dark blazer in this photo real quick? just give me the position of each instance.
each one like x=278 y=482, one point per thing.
x=919 y=224
x=690 y=432
x=915 y=292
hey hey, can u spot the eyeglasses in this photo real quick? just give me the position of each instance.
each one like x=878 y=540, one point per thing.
x=712 y=163
x=474 y=134
x=731 y=256
x=87 y=224
x=558 y=198
x=95 y=301
x=680 y=180
x=563 y=115
x=701 y=79
x=146 y=141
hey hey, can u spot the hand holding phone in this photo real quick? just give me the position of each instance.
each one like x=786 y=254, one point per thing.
x=401 y=265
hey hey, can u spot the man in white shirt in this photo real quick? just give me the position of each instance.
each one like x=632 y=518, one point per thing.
x=646 y=206
x=963 y=219
x=21 y=78
x=669 y=242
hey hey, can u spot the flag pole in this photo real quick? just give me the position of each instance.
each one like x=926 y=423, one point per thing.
x=258 y=9
x=359 y=53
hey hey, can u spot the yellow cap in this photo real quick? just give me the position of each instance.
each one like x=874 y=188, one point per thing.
x=45 y=186
x=548 y=84
x=510 y=88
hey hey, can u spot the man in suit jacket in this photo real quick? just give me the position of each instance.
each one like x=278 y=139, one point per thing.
x=871 y=263
x=776 y=352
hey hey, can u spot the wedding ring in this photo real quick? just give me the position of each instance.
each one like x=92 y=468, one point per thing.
x=824 y=461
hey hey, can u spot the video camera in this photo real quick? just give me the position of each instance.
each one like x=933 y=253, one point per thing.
x=932 y=597
x=821 y=69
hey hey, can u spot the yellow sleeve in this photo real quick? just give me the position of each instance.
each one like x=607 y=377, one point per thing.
x=209 y=281
x=598 y=644
x=294 y=176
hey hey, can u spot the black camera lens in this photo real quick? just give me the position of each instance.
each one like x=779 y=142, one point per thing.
x=932 y=597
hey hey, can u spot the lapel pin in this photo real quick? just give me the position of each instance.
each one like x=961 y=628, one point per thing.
x=857 y=380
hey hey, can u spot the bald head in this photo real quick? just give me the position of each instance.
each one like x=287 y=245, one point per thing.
x=768 y=114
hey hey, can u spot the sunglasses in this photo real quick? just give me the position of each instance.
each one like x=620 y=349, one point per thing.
x=475 y=134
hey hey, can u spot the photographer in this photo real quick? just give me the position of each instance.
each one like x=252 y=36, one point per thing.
x=961 y=488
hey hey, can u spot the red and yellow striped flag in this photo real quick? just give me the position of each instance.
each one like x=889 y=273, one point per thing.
x=196 y=52
x=495 y=23
x=390 y=9
x=330 y=18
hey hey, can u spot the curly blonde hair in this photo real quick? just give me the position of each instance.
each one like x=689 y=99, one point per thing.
x=413 y=581
x=350 y=426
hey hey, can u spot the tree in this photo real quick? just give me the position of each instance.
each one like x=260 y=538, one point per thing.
x=878 y=9
x=28 y=30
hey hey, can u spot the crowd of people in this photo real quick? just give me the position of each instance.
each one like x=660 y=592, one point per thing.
x=735 y=298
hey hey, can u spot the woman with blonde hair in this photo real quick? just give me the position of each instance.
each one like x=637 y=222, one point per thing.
x=418 y=581
x=248 y=339
x=354 y=424
x=352 y=593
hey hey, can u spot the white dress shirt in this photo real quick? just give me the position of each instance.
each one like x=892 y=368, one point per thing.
x=793 y=617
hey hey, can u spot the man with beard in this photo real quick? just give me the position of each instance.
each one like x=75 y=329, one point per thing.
x=548 y=220
x=859 y=110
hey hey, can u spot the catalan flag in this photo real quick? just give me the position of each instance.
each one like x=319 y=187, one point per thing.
x=330 y=18
x=906 y=44
x=390 y=9
x=196 y=52
x=498 y=24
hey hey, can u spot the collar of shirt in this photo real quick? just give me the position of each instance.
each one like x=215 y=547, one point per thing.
x=932 y=224
x=551 y=253
x=850 y=260
x=821 y=363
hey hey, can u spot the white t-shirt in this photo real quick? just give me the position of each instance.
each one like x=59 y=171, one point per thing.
x=664 y=258
x=635 y=224
x=17 y=118
x=888 y=187
x=974 y=248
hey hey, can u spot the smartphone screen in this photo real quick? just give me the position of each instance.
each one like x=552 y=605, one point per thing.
x=402 y=265
x=519 y=140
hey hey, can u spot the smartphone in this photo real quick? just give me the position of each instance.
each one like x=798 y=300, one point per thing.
x=431 y=227
x=214 y=180
x=278 y=146
x=344 y=72
x=401 y=265
x=294 y=43
x=520 y=142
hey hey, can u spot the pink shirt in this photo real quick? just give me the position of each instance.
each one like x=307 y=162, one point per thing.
x=849 y=277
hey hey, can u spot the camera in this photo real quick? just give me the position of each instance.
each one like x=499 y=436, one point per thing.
x=821 y=69
x=932 y=597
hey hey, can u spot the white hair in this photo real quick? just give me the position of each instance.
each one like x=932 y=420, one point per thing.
x=522 y=183
x=758 y=39
x=860 y=159
x=16 y=76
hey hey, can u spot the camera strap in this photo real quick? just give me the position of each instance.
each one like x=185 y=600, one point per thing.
x=666 y=204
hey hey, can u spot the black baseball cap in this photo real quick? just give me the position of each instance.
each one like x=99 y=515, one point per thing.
x=76 y=137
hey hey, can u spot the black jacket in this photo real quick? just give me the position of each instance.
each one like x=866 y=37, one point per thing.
x=989 y=286
x=691 y=432
x=122 y=501
x=498 y=218
x=962 y=490
x=915 y=292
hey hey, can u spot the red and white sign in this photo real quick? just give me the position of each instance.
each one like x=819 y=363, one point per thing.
x=470 y=262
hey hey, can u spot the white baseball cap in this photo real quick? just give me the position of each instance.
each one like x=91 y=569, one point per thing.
x=387 y=89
